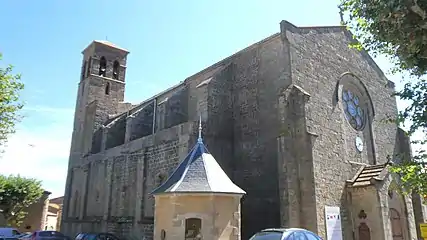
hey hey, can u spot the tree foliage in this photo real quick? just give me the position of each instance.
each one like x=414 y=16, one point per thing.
x=398 y=30
x=10 y=86
x=16 y=195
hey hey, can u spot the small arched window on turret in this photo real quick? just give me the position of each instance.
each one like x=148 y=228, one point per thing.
x=107 y=89
x=89 y=66
x=116 y=70
x=102 y=67
x=83 y=70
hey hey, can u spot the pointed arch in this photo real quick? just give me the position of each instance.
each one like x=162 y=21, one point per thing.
x=89 y=66
x=193 y=228
x=107 y=89
x=116 y=70
x=76 y=204
x=358 y=82
x=102 y=66
x=82 y=88
x=364 y=232
x=396 y=224
x=83 y=70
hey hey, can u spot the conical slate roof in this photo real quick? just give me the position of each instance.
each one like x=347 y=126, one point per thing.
x=199 y=172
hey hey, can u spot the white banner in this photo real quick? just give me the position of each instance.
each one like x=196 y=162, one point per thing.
x=333 y=223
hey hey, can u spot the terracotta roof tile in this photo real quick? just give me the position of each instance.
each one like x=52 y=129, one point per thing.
x=110 y=44
x=365 y=176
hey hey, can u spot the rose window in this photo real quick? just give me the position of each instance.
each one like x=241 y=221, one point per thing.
x=352 y=109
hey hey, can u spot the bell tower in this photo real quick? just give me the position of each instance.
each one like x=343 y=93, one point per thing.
x=100 y=92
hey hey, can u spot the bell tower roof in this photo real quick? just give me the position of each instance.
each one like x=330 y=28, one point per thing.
x=106 y=43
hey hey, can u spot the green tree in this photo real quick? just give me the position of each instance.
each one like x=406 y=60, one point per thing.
x=10 y=86
x=16 y=195
x=398 y=30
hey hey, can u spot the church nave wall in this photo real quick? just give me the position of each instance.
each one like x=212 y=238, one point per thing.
x=111 y=189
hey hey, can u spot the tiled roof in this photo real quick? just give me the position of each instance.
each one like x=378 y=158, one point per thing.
x=366 y=174
x=110 y=44
x=57 y=200
x=199 y=172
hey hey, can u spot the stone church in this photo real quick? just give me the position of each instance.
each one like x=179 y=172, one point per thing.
x=295 y=120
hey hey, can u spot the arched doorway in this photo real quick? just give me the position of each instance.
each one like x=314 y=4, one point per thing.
x=193 y=228
x=364 y=232
x=396 y=225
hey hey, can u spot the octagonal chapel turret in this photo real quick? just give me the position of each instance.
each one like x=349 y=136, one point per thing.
x=198 y=201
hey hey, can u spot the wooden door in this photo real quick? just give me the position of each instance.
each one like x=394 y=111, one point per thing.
x=364 y=232
x=396 y=224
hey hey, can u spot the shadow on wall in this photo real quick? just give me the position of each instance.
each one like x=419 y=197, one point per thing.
x=138 y=122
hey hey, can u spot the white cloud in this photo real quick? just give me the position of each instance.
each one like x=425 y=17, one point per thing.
x=40 y=150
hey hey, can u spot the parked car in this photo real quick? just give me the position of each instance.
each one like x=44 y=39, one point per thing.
x=25 y=236
x=48 y=235
x=8 y=233
x=285 y=234
x=96 y=236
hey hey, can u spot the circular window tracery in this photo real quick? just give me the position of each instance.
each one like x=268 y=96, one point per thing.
x=354 y=113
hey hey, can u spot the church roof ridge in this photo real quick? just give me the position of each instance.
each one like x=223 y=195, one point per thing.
x=199 y=172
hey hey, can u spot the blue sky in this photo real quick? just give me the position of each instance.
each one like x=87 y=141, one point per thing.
x=168 y=41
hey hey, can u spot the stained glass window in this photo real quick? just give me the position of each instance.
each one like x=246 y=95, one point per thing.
x=354 y=113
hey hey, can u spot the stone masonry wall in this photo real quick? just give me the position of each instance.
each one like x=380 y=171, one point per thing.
x=116 y=133
x=142 y=124
x=296 y=188
x=176 y=108
x=162 y=160
x=218 y=120
x=111 y=189
x=319 y=56
x=260 y=73
x=98 y=188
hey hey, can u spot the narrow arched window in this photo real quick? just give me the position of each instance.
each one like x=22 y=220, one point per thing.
x=83 y=70
x=89 y=66
x=396 y=224
x=82 y=88
x=76 y=204
x=116 y=70
x=107 y=89
x=102 y=66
